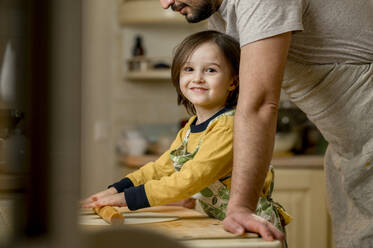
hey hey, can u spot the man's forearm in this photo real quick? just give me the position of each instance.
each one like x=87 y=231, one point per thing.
x=253 y=147
x=261 y=70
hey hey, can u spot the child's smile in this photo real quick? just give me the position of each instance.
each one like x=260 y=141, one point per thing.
x=199 y=89
x=205 y=78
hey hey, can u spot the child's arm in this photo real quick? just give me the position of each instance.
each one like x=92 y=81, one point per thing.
x=152 y=170
x=212 y=162
x=86 y=203
x=116 y=199
x=156 y=169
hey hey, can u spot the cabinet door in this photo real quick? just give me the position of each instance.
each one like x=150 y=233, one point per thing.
x=302 y=193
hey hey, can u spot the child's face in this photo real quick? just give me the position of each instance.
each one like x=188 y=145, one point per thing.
x=206 y=79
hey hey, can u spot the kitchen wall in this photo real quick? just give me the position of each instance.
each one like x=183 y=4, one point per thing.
x=152 y=101
x=101 y=44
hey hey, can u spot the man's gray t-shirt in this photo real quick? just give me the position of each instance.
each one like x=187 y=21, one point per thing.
x=329 y=75
x=325 y=32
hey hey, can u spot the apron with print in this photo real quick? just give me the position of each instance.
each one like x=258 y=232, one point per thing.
x=214 y=198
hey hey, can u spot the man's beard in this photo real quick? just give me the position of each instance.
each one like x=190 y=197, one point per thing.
x=197 y=14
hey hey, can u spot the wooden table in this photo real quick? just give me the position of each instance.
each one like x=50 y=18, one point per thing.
x=196 y=230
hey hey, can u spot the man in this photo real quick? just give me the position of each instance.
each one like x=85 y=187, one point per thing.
x=320 y=52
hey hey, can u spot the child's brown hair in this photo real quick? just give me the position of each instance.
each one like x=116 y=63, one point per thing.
x=228 y=46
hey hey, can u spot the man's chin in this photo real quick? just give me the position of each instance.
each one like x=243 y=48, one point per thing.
x=192 y=19
x=198 y=16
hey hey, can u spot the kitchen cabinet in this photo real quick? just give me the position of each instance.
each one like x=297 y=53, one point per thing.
x=300 y=188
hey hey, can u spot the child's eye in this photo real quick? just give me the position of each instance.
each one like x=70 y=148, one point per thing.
x=210 y=70
x=188 y=68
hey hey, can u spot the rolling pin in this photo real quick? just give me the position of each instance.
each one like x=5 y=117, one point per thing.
x=110 y=215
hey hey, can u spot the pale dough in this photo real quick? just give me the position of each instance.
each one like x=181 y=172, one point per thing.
x=90 y=218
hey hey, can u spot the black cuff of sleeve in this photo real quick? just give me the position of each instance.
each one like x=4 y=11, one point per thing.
x=122 y=184
x=136 y=197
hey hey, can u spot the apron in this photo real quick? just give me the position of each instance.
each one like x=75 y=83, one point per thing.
x=214 y=198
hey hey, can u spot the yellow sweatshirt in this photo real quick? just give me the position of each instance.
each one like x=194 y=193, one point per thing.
x=158 y=182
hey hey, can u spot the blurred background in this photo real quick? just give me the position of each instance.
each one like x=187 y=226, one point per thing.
x=86 y=97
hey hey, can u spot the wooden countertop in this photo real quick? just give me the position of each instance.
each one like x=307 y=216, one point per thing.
x=299 y=162
x=291 y=162
x=197 y=230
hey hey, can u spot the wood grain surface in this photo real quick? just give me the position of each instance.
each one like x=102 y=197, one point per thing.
x=188 y=224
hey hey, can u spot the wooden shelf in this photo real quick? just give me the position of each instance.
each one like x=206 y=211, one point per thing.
x=161 y=74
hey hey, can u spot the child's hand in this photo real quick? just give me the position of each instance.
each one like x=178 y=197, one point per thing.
x=86 y=202
x=187 y=203
x=108 y=200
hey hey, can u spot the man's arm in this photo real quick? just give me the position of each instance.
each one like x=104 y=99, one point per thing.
x=261 y=72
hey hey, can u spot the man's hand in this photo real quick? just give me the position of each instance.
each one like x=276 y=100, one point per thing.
x=241 y=219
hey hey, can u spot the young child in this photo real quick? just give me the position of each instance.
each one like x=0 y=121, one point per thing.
x=205 y=74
